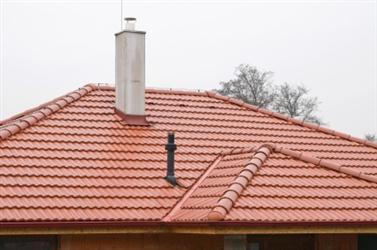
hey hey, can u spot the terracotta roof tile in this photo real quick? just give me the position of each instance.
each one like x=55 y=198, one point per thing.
x=289 y=192
x=74 y=159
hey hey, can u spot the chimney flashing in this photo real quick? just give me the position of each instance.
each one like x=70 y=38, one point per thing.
x=139 y=120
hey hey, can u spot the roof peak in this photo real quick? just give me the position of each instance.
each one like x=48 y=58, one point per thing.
x=107 y=86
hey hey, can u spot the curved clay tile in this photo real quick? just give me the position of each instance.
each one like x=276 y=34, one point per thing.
x=229 y=197
x=12 y=126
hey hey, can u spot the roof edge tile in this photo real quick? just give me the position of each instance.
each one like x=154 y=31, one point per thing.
x=231 y=194
x=325 y=163
x=29 y=117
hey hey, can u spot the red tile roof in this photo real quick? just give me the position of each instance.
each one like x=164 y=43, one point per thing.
x=74 y=159
x=271 y=184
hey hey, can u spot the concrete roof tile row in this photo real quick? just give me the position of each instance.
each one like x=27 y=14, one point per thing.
x=73 y=159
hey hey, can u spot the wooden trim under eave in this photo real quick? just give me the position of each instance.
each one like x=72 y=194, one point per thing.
x=193 y=230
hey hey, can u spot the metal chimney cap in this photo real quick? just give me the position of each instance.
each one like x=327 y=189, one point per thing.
x=130 y=19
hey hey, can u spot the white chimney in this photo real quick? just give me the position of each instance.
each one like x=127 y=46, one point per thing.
x=130 y=74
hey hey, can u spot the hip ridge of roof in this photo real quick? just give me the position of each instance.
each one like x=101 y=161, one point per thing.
x=316 y=127
x=231 y=194
x=29 y=117
x=325 y=163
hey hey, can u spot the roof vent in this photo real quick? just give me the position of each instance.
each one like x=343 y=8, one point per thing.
x=170 y=147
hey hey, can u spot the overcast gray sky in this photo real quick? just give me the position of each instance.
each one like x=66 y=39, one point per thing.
x=49 y=48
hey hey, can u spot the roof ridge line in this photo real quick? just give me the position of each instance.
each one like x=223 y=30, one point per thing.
x=325 y=163
x=176 y=91
x=29 y=117
x=316 y=127
x=188 y=193
x=106 y=86
x=231 y=194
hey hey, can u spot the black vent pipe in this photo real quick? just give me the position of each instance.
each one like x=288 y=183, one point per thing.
x=170 y=147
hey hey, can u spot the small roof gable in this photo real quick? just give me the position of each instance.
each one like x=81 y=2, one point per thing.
x=73 y=159
x=275 y=185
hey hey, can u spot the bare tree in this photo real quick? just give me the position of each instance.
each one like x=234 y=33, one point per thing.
x=371 y=137
x=295 y=102
x=250 y=85
x=255 y=87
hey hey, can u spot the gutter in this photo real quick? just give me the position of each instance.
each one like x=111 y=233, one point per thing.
x=81 y=224
x=208 y=228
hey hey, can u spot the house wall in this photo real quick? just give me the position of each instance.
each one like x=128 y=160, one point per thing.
x=284 y=241
x=142 y=242
x=208 y=242
x=336 y=242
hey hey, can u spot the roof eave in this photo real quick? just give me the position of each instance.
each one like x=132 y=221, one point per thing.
x=221 y=227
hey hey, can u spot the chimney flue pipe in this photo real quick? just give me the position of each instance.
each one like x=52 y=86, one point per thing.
x=170 y=147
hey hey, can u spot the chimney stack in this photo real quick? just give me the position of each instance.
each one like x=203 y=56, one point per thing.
x=130 y=74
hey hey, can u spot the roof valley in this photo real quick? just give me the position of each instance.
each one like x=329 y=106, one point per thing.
x=188 y=193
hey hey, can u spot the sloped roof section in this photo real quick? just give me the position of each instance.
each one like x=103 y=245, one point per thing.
x=235 y=189
x=273 y=184
x=73 y=159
